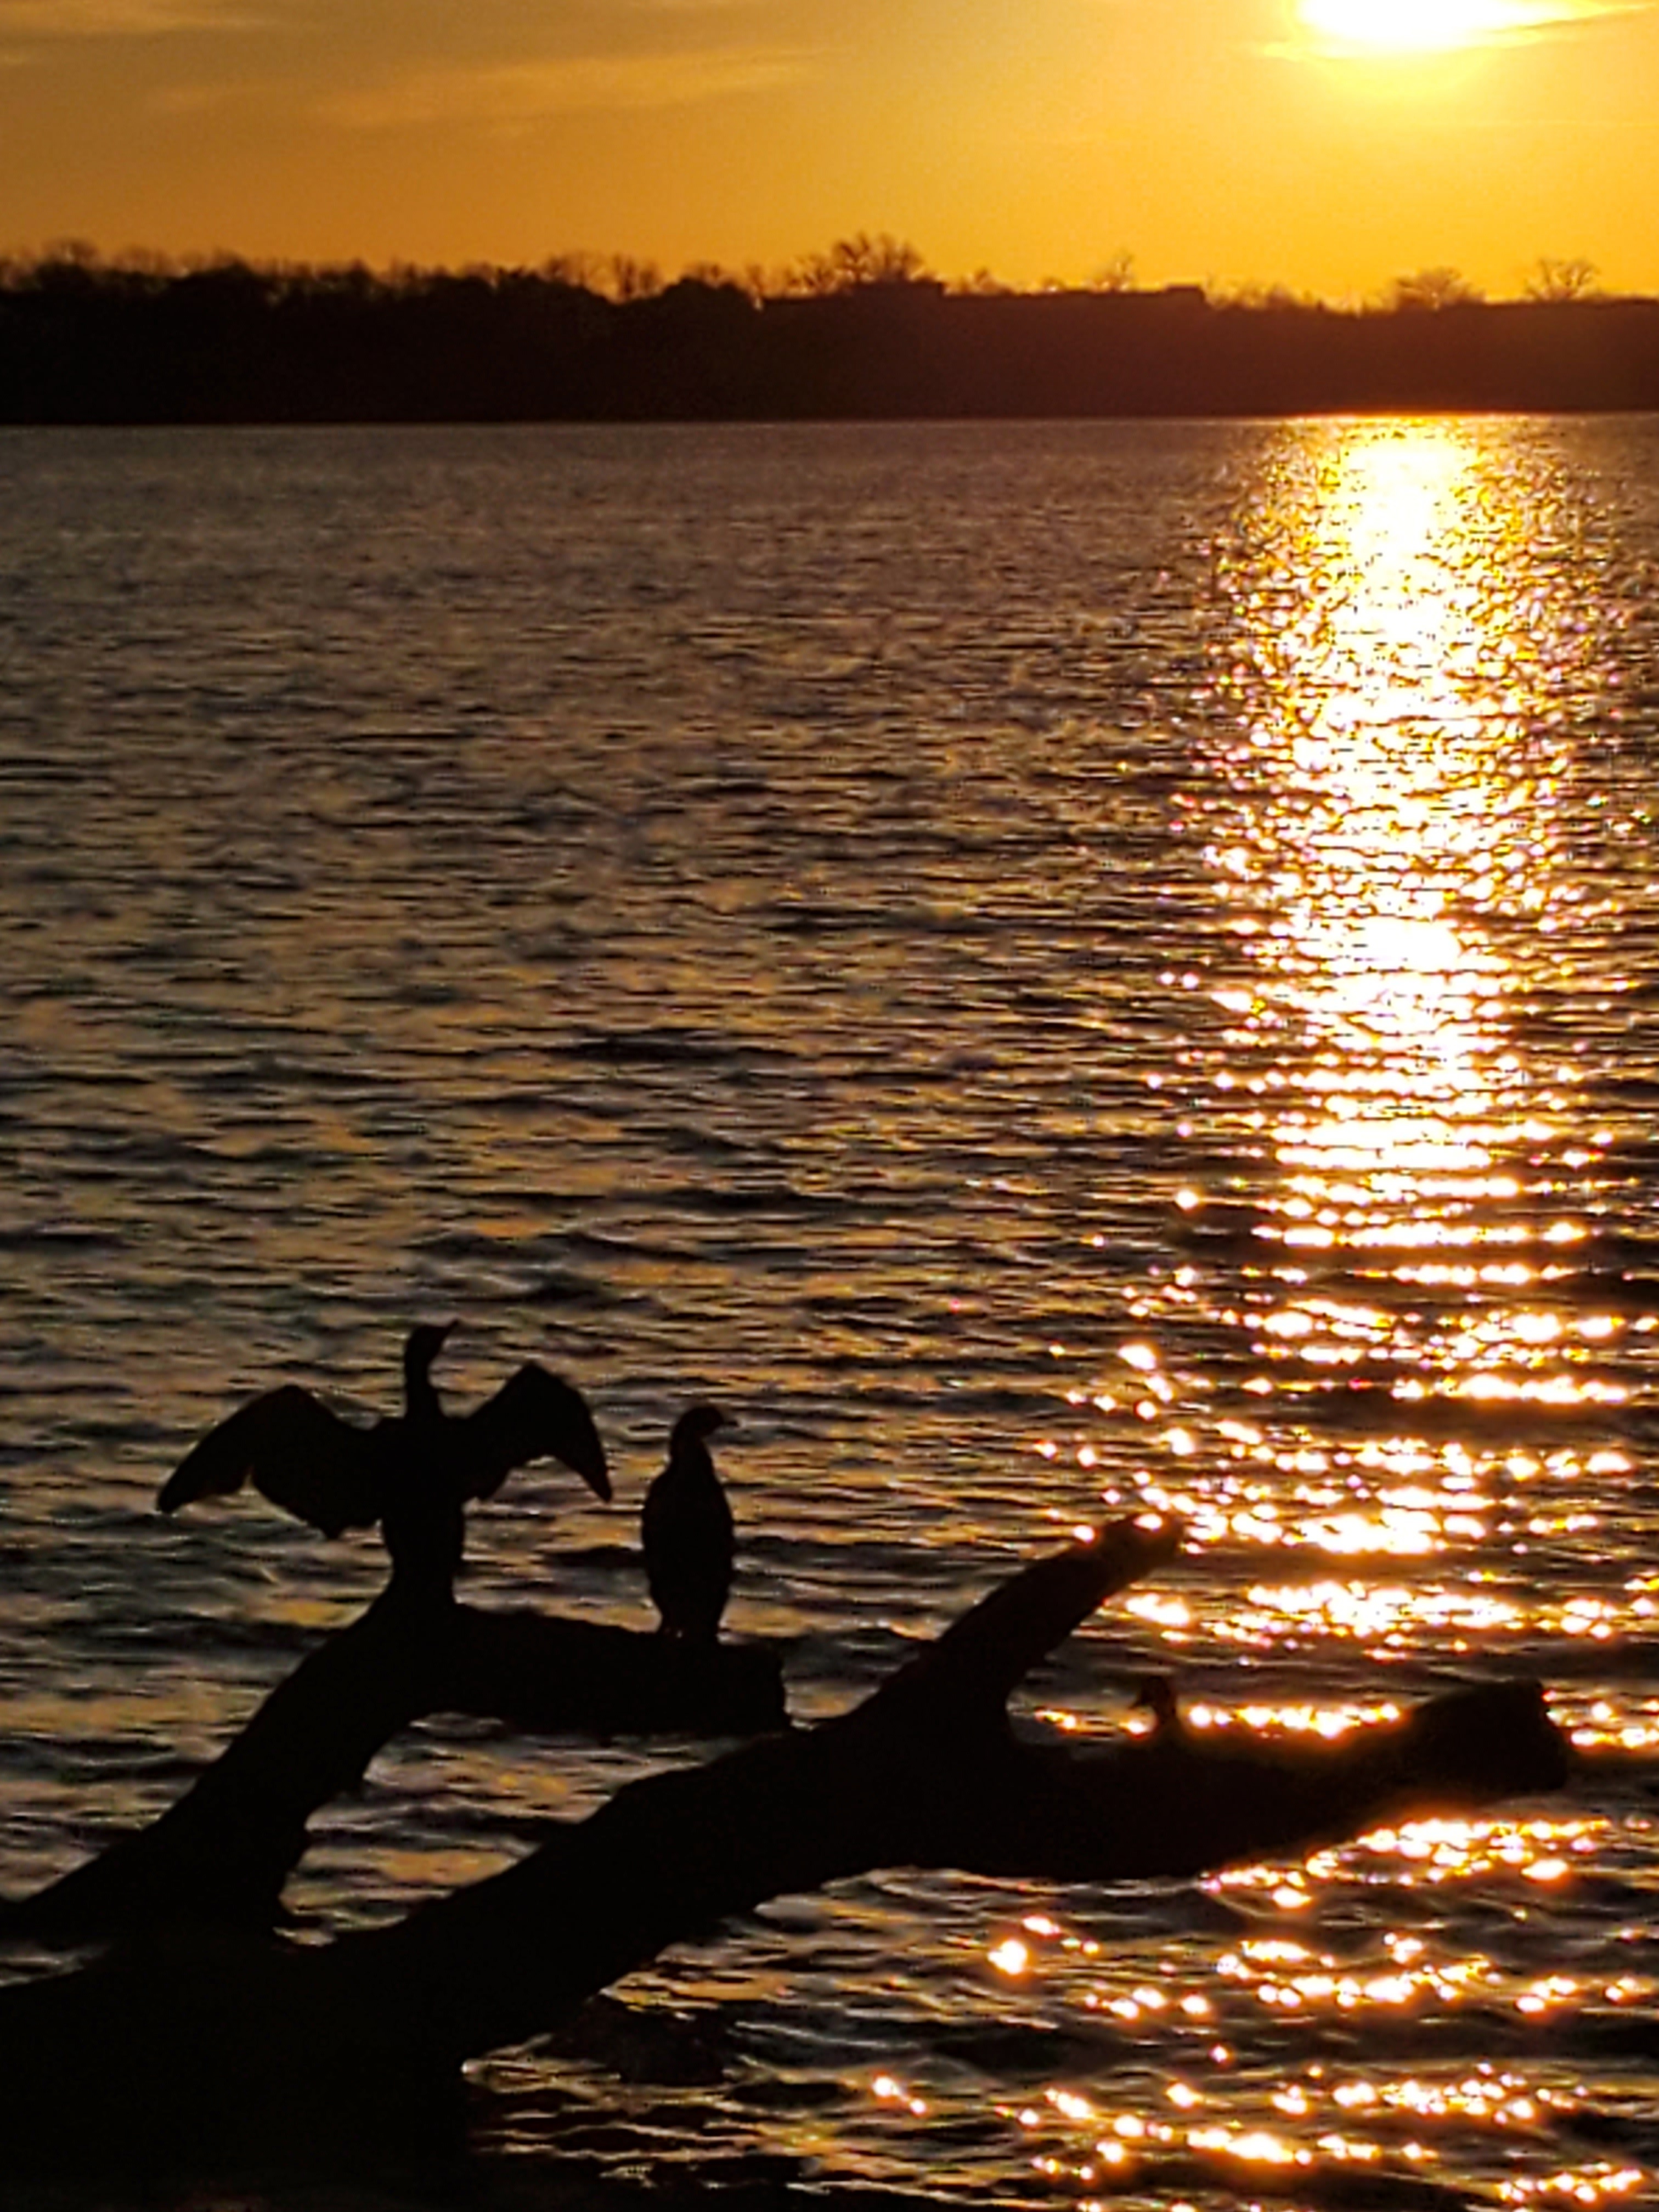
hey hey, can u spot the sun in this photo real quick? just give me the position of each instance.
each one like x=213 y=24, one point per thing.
x=1414 y=26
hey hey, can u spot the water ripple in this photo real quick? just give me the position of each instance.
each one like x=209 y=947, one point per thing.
x=1049 y=967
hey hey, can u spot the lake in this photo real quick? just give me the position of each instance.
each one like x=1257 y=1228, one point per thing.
x=1048 y=969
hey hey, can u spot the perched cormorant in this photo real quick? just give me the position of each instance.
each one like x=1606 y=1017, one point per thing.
x=687 y=1533
x=413 y=1472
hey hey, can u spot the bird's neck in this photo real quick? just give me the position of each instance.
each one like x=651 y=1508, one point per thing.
x=421 y=1395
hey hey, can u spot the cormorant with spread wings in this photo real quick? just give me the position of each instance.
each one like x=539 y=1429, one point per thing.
x=413 y=1472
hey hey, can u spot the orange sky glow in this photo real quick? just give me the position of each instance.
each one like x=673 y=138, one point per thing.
x=1330 y=145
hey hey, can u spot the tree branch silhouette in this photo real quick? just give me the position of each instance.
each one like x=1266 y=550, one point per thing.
x=192 y=2043
x=224 y=1851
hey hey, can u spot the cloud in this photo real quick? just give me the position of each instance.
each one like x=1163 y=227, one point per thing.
x=119 y=19
x=185 y=99
x=519 y=92
x=1565 y=13
x=1532 y=19
x=1330 y=27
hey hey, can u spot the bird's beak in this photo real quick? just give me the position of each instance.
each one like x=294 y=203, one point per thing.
x=579 y=1447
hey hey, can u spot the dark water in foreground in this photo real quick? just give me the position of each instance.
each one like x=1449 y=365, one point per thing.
x=1046 y=967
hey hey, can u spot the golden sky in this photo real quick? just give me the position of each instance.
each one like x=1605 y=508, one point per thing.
x=1329 y=144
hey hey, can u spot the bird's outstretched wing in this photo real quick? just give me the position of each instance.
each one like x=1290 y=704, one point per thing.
x=301 y=1456
x=534 y=1415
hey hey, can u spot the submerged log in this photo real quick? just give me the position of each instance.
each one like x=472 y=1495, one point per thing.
x=190 y=2049
x=222 y=1853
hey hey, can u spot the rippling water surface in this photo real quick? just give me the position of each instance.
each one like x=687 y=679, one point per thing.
x=1046 y=967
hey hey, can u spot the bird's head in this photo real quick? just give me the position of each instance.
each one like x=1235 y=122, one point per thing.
x=421 y=1347
x=1156 y=1694
x=697 y=1424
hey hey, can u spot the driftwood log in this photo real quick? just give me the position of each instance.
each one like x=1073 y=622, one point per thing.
x=222 y=1853
x=189 y=2045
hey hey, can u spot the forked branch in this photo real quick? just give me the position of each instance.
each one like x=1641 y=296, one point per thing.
x=194 y=2045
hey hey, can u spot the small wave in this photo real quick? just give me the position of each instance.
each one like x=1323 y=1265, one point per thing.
x=667 y=1048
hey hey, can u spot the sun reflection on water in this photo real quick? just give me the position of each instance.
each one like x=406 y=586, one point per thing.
x=1402 y=761
x=1400 y=1190
x=1189 y=2117
x=1388 y=1383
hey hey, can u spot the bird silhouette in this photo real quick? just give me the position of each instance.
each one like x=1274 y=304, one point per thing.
x=1156 y=1694
x=686 y=1531
x=413 y=1472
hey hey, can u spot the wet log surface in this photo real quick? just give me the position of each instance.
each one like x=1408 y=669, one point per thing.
x=192 y=2044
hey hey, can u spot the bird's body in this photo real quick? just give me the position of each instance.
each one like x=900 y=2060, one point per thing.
x=413 y=1472
x=687 y=1533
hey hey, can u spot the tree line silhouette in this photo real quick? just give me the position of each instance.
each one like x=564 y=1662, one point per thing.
x=862 y=331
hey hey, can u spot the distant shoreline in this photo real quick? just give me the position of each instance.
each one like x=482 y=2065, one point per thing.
x=234 y=344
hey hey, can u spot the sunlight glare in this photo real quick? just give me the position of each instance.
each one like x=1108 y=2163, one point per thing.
x=1405 y=27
